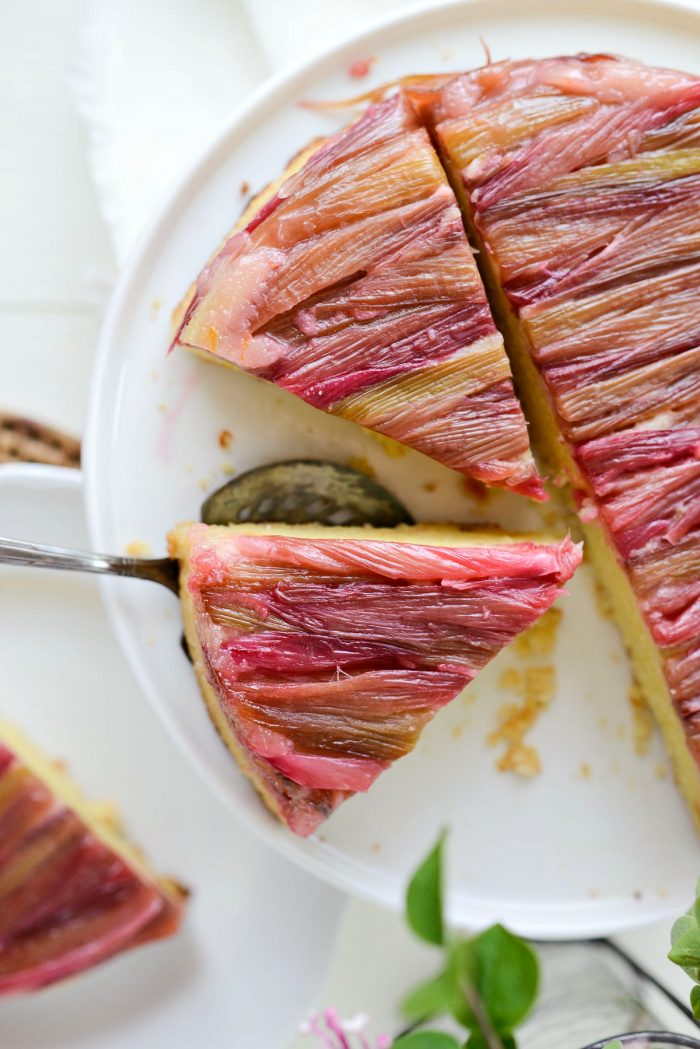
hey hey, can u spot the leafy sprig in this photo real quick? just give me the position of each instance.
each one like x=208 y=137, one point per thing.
x=685 y=948
x=488 y=983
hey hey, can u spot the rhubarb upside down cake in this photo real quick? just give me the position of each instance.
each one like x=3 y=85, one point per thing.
x=323 y=652
x=580 y=183
x=352 y=285
x=72 y=891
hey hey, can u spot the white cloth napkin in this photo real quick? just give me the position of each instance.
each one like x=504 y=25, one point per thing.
x=156 y=81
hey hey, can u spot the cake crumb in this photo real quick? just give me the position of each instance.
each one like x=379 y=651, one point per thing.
x=642 y=723
x=522 y=759
x=162 y=407
x=225 y=438
x=375 y=846
x=541 y=638
x=511 y=679
x=228 y=469
x=584 y=771
x=245 y=187
x=155 y=308
x=540 y=685
x=637 y=894
x=457 y=731
x=536 y=685
x=138 y=548
x=362 y=465
x=661 y=771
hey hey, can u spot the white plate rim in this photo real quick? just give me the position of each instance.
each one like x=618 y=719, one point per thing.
x=555 y=921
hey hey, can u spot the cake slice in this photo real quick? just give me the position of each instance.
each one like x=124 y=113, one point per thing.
x=352 y=285
x=580 y=181
x=72 y=891
x=323 y=652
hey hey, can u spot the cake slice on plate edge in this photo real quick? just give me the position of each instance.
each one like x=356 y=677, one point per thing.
x=73 y=891
x=321 y=653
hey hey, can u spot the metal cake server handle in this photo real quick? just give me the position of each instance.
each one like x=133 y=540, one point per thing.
x=164 y=570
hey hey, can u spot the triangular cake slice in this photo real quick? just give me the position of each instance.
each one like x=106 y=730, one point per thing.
x=352 y=285
x=72 y=891
x=580 y=178
x=323 y=652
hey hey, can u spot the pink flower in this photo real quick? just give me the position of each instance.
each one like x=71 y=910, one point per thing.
x=334 y=1033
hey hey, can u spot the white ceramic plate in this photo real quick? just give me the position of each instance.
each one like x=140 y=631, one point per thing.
x=67 y=685
x=599 y=841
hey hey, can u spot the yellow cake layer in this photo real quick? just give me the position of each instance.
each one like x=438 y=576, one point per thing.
x=99 y=817
x=420 y=534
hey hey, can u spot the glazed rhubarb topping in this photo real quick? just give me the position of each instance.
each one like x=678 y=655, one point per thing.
x=583 y=177
x=355 y=289
x=67 y=900
x=328 y=656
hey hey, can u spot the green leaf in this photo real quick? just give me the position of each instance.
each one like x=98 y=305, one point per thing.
x=424 y=897
x=617 y=1044
x=476 y=1040
x=429 y=998
x=695 y=1001
x=426 y=1040
x=686 y=946
x=685 y=924
x=507 y=976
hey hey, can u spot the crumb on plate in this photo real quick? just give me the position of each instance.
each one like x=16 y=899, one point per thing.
x=522 y=759
x=536 y=685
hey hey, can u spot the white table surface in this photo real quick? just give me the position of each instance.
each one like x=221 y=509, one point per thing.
x=57 y=266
